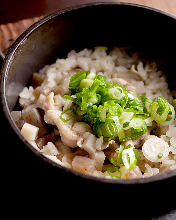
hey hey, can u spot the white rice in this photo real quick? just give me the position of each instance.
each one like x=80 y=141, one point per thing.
x=77 y=140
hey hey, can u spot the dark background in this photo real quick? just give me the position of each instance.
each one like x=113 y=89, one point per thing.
x=14 y=10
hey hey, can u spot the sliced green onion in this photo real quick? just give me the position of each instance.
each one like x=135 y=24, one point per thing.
x=69 y=97
x=113 y=112
x=66 y=110
x=120 y=130
x=86 y=83
x=129 y=159
x=88 y=98
x=125 y=119
x=80 y=112
x=93 y=100
x=119 y=158
x=154 y=148
x=102 y=113
x=135 y=104
x=162 y=105
x=159 y=110
x=126 y=125
x=174 y=103
x=137 y=123
x=160 y=155
x=76 y=79
x=114 y=93
x=91 y=75
x=91 y=113
x=170 y=116
x=114 y=172
x=126 y=116
x=95 y=86
x=137 y=155
x=101 y=78
x=117 y=92
x=147 y=103
x=133 y=133
x=107 y=129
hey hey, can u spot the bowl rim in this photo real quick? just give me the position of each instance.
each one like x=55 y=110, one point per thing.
x=4 y=73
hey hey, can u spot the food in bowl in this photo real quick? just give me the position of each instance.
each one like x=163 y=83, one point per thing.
x=106 y=113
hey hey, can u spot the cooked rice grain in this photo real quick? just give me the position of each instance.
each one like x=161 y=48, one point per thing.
x=78 y=147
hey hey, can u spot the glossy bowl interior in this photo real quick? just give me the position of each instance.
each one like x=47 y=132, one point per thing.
x=111 y=24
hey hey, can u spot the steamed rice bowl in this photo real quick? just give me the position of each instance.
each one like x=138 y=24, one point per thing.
x=73 y=143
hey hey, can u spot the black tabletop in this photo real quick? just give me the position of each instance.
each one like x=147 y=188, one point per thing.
x=26 y=177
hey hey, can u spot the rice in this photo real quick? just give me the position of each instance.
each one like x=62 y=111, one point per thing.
x=73 y=144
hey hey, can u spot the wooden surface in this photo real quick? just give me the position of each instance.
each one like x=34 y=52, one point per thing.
x=11 y=11
x=14 y=10
x=9 y=32
x=165 y=5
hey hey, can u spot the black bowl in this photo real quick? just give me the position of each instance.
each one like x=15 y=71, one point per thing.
x=149 y=31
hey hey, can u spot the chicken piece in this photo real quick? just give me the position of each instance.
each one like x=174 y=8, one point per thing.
x=63 y=149
x=83 y=164
x=59 y=101
x=137 y=142
x=122 y=82
x=81 y=127
x=88 y=143
x=101 y=145
x=125 y=82
x=41 y=102
x=99 y=158
x=68 y=137
x=49 y=102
